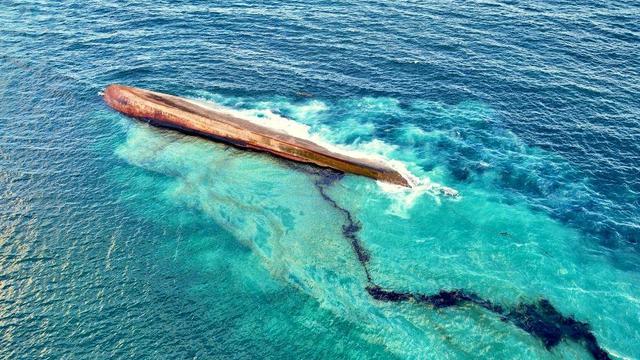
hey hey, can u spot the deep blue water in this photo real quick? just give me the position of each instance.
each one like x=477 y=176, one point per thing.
x=121 y=240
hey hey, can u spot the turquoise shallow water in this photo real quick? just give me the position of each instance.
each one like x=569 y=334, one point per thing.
x=122 y=240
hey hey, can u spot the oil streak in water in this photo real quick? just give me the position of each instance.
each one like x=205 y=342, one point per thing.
x=540 y=319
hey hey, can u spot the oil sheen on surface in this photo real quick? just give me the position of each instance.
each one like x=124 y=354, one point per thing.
x=118 y=239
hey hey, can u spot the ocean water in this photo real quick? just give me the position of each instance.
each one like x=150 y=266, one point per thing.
x=121 y=240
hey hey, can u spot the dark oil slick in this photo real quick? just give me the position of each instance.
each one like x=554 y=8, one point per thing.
x=528 y=108
x=540 y=319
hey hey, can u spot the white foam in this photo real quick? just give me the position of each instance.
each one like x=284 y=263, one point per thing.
x=265 y=118
x=376 y=151
x=618 y=355
x=403 y=199
x=273 y=121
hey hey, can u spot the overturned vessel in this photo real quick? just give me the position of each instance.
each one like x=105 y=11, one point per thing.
x=190 y=117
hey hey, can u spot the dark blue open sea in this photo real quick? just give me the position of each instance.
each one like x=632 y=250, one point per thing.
x=121 y=240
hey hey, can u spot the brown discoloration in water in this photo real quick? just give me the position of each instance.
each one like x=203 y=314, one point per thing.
x=173 y=112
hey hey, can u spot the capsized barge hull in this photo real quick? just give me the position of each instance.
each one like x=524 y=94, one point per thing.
x=173 y=112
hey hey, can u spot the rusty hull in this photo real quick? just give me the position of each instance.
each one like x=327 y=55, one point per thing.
x=181 y=114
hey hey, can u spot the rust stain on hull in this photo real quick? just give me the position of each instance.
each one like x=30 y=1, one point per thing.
x=181 y=114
